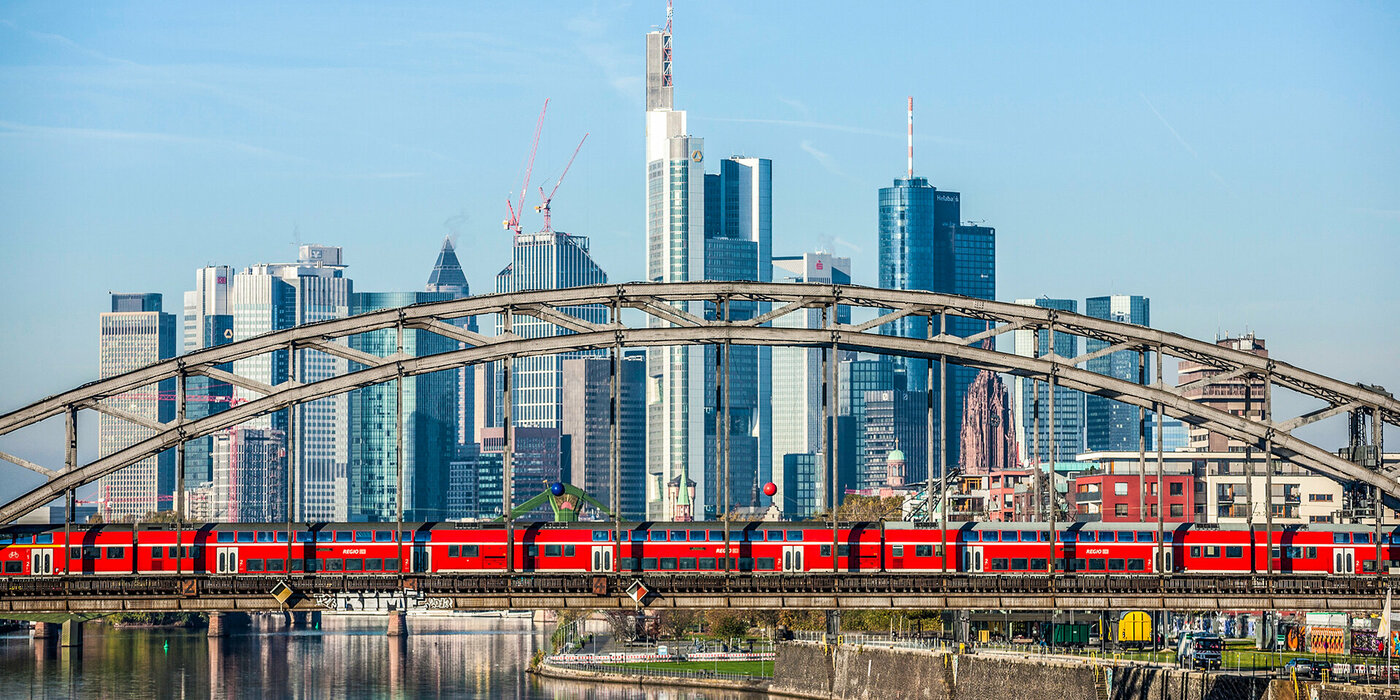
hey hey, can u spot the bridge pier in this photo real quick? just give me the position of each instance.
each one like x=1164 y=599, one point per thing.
x=44 y=630
x=71 y=633
x=398 y=624
x=217 y=622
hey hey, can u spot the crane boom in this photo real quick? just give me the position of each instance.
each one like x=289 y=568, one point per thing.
x=513 y=223
x=545 y=200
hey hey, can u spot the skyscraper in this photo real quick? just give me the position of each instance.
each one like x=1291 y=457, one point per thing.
x=545 y=260
x=249 y=481
x=429 y=414
x=896 y=420
x=274 y=296
x=1069 y=403
x=135 y=333
x=856 y=377
x=797 y=372
x=208 y=323
x=588 y=425
x=447 y=278
x=1110 y=425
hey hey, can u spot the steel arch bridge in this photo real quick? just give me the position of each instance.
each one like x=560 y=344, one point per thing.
x=691 y=313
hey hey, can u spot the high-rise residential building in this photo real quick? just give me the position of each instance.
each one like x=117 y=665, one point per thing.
x=274 y=296
x=135 y=333
x=1238 y=396
x=856 y=377
x=1028 y=395
x=447 y=278
x=249 y=481
x=1110 y=425
x=588 y=425
x=896 y=420
x=545 y=260
x=797 y=372
x=429 y=430
x=208 y=323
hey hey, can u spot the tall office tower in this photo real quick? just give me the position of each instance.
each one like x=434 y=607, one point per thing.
x=461 y=481
x=249 y=483
x=447 y=278
x=675 y=225
x=1069 y=404
x=896 y=419
x=797 y=372
x=274 y=296
x=974 y=275
x=208 y=322
x=856 y=377
x=1236 y=396
x=1110 y=425
x=988 y=434
x=429 y=414
x=545 y=260
x=588 y=425
x=135 y=333
x=536 y=463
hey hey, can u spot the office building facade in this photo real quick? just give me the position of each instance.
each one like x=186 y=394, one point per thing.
x=896 y=420
x=1032 y=398
x=1238 y=396
x=1111 y=425
x=856 y=377
x=447 y=278
x=249 y=481
x=588 y=427
x=208 y=323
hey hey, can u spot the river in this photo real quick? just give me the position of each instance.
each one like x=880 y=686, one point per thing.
x=348 y=657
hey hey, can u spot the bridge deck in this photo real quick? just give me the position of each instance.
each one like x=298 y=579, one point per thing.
x=91 y=594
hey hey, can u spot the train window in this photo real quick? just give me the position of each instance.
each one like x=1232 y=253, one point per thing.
x=794 y=535
x=775 y=535
x=354 y=564
x=627 y=564
x=824 y=551
x=1066 y=536
x=14 y=567
x=639 y=536
x=600 y=535
x=275 y=565
x=265 y=536
x=1096 y=564
x=1234 y=552
x=1038 y=564
x=687 y=563
x=298 y=565
x=383 y=536
x=1339 y=538
x=77 y=552
x=253 y=565
x=1144 y=536
x=364 y=536
x=421 y=535
x=155 y=552
x=697 y=535
x=1105 y=536
x=568 y=550
x=1125 y=536
x=1273 y=552
x=391 y=564
x=1018 y=564
x=989 y=536
x=245 y=537
x=648 y=563
x=344 y=536
x=1116 y=564
x=706 y=563
x=678 y=535
x=335 y=565
x=6 y=539
x=471 y=550
x=1368 y=565
x=716 y=535
x=92 y=552
x=532 y=550
x=766 y=563
x=1212 y=551
x=668 y=563
x=24 y=539
x=43 y=538
x=843 y=550
x=553 y=550
x=658 y=536
x=969 y=536
x=1086 y=536
x=999 y=564
x=1076 y=565
x=1028 y=536
x=224 y=537
x=897 y=550
x=1310 y=552
x=1137 y=565
x=325 y=536
x=172 y=552
x=1362 y=538
x=374 y=564
x=303 y=537
x=736 y=536
x=1195 y=552
x=1167 y=536
x=454 y=550
x=920 y=550
x=1293 y=552
x=746 y=563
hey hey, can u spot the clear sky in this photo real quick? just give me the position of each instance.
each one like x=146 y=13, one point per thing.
x=1238 y=163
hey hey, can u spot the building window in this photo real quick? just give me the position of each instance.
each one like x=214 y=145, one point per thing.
x=1153 y=510
x=1120 y=488
x=1177 y=510
x=1320 y=497
x=1174 y=488
x=1152 y=488
x=1121 y=510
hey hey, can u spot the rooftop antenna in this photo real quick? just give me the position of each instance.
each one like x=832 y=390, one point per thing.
x=666 y=48
x=911 y=137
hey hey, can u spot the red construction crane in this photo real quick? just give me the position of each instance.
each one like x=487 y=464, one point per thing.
x=513 y=223
x=543 y=208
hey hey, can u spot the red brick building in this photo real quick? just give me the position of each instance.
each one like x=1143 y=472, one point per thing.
x=1122 y=498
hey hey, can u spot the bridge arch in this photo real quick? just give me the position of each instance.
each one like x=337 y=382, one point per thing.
x=675 y=316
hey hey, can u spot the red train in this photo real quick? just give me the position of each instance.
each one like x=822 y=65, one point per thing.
x=680 y=548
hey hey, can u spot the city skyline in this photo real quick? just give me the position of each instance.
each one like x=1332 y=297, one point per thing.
x=698 y=66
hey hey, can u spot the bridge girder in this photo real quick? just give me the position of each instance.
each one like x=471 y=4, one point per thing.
x=666 y=304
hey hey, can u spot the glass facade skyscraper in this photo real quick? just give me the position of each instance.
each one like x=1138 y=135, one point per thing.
x=447 y=278
x=429 y=431
x=1110 y=425
x=208 y=323
x=1069 y=403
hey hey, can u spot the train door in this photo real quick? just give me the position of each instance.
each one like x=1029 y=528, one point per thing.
x=227 y=560
x=602 y=558
x=422 y=559
x=972 y=559
x=41 y=562
x=792 y=558
x=1344 y=560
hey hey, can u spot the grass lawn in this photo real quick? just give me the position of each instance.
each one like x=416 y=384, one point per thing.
x=752 y=668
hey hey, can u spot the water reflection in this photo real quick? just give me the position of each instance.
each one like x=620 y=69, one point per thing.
x=348 y=657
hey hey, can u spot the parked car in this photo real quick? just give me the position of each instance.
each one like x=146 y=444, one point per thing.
x=1303 y=668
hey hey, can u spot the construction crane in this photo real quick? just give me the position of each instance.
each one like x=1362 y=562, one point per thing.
x=545 y=200
x=513 y=223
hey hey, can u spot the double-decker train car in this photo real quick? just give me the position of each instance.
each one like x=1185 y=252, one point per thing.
x=759 y=548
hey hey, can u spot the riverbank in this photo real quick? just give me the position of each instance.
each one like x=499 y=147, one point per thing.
x=621 y=675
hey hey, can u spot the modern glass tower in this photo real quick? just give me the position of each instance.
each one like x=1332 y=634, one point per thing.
x=856 y=377
x=429 y=413
x=1108 y=424
x=135 y=333
x=447 y=278
x=588 y=423
x=1069 y=403
x=208 y=323
x=273 y=296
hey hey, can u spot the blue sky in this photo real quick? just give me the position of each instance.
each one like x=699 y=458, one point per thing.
x=1239 y=163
